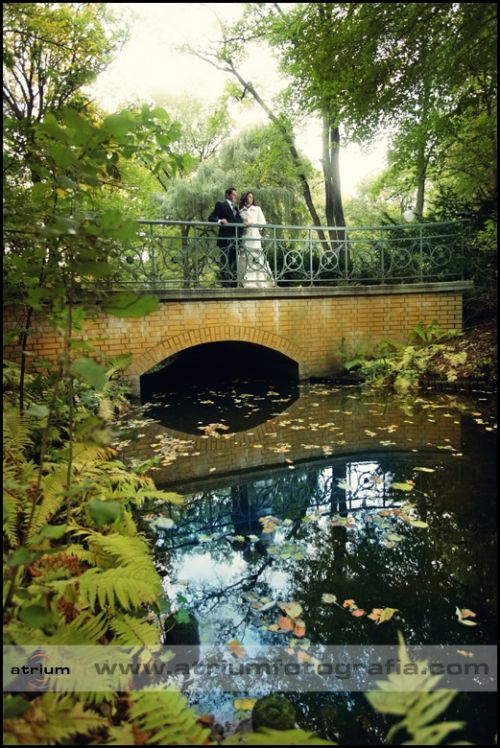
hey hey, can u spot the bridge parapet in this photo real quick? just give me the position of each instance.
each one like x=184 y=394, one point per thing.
x=184 y=254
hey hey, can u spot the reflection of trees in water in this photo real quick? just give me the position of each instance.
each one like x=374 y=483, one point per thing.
x=425 y=575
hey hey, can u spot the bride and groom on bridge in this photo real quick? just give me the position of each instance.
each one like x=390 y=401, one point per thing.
x=242 y=258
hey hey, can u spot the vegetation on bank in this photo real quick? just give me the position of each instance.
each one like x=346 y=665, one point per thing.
x=431 y=357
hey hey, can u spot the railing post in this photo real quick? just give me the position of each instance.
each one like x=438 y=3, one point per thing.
x=311 y=268
x=275 y=256
x=382 y=258
x=421 y=240
x=152 y=255
x=346 y=256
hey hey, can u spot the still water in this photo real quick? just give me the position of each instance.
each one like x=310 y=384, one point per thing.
x=296 y=493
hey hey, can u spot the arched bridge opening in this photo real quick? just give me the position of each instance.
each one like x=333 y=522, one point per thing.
x=234 y=384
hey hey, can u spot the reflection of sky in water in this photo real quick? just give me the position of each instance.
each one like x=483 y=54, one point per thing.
x=425 y=574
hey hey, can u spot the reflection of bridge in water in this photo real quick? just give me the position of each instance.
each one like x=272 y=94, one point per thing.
x=235 y=507
x=338 y=424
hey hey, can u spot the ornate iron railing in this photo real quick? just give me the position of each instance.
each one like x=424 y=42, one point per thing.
x=184 y=254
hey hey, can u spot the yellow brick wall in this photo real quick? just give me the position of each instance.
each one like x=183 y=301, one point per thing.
x=308 y=330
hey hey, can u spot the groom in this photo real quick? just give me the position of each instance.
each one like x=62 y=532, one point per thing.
x=226 y=212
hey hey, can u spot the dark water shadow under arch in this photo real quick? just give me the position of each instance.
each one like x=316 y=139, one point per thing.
x=239 y=385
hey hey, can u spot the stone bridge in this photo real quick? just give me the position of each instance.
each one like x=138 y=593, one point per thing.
x=307 y=326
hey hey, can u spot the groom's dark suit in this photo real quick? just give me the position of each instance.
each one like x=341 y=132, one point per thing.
x=226 y=240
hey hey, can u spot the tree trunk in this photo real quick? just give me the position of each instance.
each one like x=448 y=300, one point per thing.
x=334 y=212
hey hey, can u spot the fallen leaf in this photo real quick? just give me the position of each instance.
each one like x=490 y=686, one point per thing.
x=285 y=623
x=236 y=648
x=244 y=704
x=358 y=612
x=326 y=597
x=348 y=603
x=292 y=609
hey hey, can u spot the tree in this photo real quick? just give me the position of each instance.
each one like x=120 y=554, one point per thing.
x=51 y=50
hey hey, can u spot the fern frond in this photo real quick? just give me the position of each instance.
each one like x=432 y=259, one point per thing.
x=126 y=525
x=167 y=717
x=130 y=631
x=266 y=736
x=117 y=549
x=127 y=587
x=121 y=735
x=83 y=630
x=16 y=432
x=53 y=488
x=52 y=719
x=11 y=507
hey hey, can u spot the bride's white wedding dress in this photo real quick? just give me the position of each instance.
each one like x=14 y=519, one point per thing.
x=254 y=270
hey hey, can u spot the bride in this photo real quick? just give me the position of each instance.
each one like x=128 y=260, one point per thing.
x=254 y=270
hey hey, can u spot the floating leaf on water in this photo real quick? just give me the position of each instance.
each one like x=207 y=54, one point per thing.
x=292 y=609
x=464 y=614
x=326 y=597
x=236 y=648
x=394 y=537
x=164 y=523
x=425 y=469
x=244 y=705
x=285 y=623
x=408 y=486
x=348 y=603
x=387 y=614
x=358 y=612
x=417 y=523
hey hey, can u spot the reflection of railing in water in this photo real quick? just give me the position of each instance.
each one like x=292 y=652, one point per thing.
x=236 y=509
x=184 y=254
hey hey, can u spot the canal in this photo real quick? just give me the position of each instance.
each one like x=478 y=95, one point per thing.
x=340 y=502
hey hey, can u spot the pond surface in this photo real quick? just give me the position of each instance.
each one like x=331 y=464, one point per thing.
x=294 y=494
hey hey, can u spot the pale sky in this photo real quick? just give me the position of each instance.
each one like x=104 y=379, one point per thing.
x=150 y=68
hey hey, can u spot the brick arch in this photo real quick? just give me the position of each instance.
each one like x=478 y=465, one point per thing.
x=215 y=334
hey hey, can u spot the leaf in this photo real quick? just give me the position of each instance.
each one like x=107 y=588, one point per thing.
x=236 y=648
x=466 y=613
x=244 y=704
x=299 y=630
x=292 y=609
x=131 y=305
x=36 y=616
x=348 y=603
x=90 y=371
x=387 y=614
x=425 y=469
x=358 y=612
x=104 y=512
x=403 y=486
x=417 y=523
x=164 y=523
x=463 y=618
x=285 y=623
x=326 y=597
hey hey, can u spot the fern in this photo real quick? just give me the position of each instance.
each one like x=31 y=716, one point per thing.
x=412 y=697
x=276 y=737
x=167 y=718
x=116 y=549
x=127 y=587
x=50 y=720
x=130 y=631
x=83 y=630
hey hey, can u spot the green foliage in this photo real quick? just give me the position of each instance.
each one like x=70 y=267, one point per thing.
x=413 y=697
x=277 y=737
x=406 y=367
x=167 y=720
